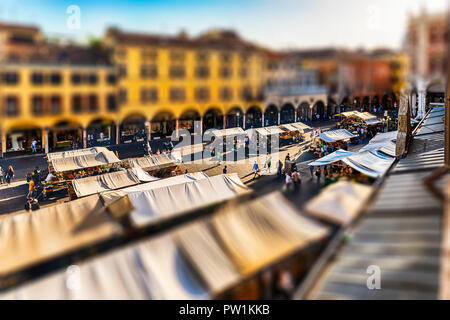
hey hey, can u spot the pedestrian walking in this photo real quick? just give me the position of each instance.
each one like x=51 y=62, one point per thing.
x=9 y=174
x=311 y=169
x=2 y=175
x=288 y=182
x=268 y=162
x=318 y=174
x=33 y=146
x=256 y=170
x=279 y=168
x=296 y=179
x=224 y=170
x=31 y=185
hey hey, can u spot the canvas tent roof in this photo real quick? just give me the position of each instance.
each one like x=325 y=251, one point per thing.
x=160 y=200
x=73 y=153
x=383 y=142
x=109 y=181
x=142 y=175
x=26 y=239
x=237 y=131
x=339 y=202
x=336 y=135
x=266 y=131
x=367 y=117
x=289 y=127
x=372 y=164
x=150 y=269
x=167 y=266
x=84 y=161
x=263 y=231
x=153 y=162
x=301 y=126
x=331 y=158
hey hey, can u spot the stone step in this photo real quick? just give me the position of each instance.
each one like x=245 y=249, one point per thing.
x=401 y=224
x=332 y=291
x=405 y=249
x=428 y=263
x=397 y=236
x=390 y=279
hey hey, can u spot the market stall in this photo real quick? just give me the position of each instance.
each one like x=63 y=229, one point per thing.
x=339 y=203
x=68 y=165
x=167 y=198
x=330 y=141
x=295 y=131
x=201 y=260
x=161 y=165
x=96 y=184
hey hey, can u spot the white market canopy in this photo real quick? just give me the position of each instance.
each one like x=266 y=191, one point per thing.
x=372 y=164
x=154 y=162
x=336 y=135
x=105 y=182
x=340 y=202
x=264 y=231
x=331 y=158
x=238 y=131
x=102 y=158
x=194 y=261
x=26 y=239
x=162 y=199
x=383 y=142
x=301 y=126
x=272 y=130
x=73 y=153
x=151 y=269
x=142 y=175
x=367 y=117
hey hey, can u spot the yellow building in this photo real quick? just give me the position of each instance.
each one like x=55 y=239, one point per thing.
x=129 y=88
x=166 y=83
x=53 y=94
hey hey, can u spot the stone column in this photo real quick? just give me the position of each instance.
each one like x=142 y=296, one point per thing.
x=243 y=121
x=45 y=139
x=148 y=130
x=262 y=119
x=224 y=121
x=421 y=109
x=84 y=138
x=201 y=125
x=295 y=115
x=279 y=118
x=2 y=142
x=177 y=126
x=117 y=134
x=413 y=104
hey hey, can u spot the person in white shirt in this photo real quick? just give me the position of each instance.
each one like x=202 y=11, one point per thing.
x=50 y=177
x=33 y=146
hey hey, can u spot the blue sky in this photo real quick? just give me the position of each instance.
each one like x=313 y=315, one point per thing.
x=275 y=23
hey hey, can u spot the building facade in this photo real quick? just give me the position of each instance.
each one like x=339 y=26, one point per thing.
x=358 y=79
x=54 y=94
x=292 y=92
x=426 y=43
x=167 y=83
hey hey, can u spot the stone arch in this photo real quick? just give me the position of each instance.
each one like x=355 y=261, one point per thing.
x=213 y=118
x=253 y=117
x=287 y=113
x=188 y=120
x=303 y=113
x=271 y=115
x=235 y=117
x=163 y=124
x=133 y=128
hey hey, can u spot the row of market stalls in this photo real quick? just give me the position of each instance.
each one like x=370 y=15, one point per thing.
x=372 y=161
x=399 y=225
x=88 y=171
x=354 y=119
x=221 y=253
